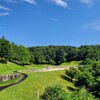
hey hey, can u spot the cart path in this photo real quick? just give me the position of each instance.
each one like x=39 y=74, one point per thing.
x=46 y=69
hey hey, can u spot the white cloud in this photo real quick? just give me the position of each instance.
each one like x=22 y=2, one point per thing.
x=61 y=3
x=92 y=26
x=30 y=1
x=87 y=2
x=4 y=8
x=4 y=14
x=55 y=19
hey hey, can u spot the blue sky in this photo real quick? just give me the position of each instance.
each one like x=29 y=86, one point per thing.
x=50 y=22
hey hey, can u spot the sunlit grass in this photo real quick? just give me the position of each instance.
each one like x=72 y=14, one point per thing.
x=11 y=67
x=71 y=64
x=34 y=84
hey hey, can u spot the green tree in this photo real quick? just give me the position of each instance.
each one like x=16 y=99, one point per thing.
x=82 y=94
x=60 y=56
x=23 y=55
x=54 y=93
x=72 y=72
x=85 y=78
x=5 y=49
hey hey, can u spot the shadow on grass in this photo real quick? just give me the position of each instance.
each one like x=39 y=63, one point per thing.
x=70 y=88
x=66 y=78
x=3 y=61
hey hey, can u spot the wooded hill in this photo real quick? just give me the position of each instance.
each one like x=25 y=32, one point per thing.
x=9 y=51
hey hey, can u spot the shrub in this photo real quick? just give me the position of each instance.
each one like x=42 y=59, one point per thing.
x=54 y=93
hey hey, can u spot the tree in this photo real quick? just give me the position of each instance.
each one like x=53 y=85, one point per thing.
x=60 y=56
x=54 y=93
x=82 y=94
x=5 y=49
x=85 y=78
x=23 y=55
x=90 y=78
x=72 y=72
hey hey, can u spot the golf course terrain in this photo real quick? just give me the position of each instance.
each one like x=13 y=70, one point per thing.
x=36 y=82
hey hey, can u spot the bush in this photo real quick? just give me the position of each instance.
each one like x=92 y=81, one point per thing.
x=54 y=93
x=57 y=93
x=72 y=72
x=82 y=94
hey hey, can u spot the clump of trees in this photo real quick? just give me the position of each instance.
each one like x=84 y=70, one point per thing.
x=5 y=49
x=15 y=53
x=88 y=77
x=47 y=54
x=59 y=54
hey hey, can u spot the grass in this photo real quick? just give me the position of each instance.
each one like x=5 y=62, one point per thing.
x=71 y=64
x=11 y=67
x=34 y=84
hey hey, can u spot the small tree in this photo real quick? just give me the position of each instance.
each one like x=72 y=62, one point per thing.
x=54 y=93
x=85 y=79
x=72 y=72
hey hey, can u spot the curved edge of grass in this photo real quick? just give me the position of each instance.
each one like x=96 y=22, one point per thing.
x=10 y=81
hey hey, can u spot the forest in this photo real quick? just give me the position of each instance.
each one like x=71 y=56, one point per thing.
x=9 y=51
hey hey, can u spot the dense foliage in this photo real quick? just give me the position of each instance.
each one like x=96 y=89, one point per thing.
x=88 y=76
x=54 y=93
x=60 y=54
x=57 y=93
x=47 y=54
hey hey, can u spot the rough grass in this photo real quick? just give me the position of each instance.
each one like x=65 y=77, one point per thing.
x=33 y=85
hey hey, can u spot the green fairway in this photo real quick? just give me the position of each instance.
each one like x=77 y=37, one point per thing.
x=34 y=84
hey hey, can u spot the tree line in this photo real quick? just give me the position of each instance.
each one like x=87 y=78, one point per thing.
x=9 y=51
